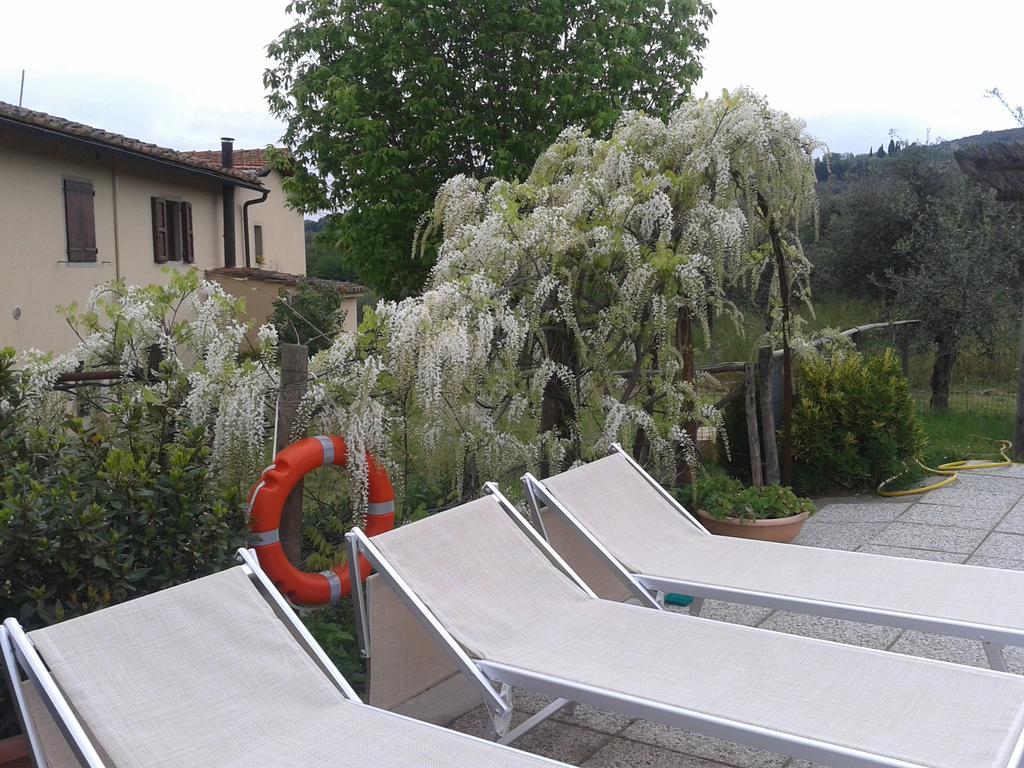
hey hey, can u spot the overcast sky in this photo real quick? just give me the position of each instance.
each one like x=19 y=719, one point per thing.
x=191 y=73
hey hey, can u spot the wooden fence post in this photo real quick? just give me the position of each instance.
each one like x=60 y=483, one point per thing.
x=294 y=374
x=903 y=341
x=1018 y=429
x=764 y=391
x=753 y=434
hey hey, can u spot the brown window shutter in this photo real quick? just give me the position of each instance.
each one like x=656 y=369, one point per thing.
x=159 y=230
x=188 y=249
x=80 y=220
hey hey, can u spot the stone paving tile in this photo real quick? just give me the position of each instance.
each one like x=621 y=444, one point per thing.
x=735 y=613
x=621 y=753
x=961 y=495
x=557 y=740
x=999 y=485
x=847 y=536
x=914 y=554
x=599 y=720
x=881 y=512
x=836 y=630
x=1008 y=546
x=1012 y=471
x=984 y=561
x=1014 y=520
x=529 y=701
x=561 y=741
x=923 y=536
x=702 y=746
x=959 y=517
x=958 y=650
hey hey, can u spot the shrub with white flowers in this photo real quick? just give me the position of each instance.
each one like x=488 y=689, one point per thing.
x=560 y=315
x=179 y=346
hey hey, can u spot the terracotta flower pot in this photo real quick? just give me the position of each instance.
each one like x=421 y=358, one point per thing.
x=14 y=753
x=781 y=529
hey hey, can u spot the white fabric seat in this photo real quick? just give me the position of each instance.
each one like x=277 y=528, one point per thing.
x=620 y=508
x=507 y=605
x=205 y=674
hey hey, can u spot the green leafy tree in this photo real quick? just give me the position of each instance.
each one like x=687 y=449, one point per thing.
x=962 y=251
x=384 y=101
x=323 y=258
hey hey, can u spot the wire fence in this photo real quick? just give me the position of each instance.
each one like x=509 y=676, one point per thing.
x=985 y=372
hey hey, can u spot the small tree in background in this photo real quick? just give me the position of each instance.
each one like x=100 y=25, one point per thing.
x=962 y=270
x=385 y=101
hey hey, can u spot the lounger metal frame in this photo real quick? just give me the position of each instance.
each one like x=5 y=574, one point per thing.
x=993 y=639
x=493 y=680
x=21 y=658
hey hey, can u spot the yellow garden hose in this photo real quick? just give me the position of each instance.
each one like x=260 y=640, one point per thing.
x=951 y=470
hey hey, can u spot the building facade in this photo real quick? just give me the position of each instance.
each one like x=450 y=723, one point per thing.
x=80 y=206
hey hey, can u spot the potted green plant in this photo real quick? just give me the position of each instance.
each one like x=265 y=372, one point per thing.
x=725 y=507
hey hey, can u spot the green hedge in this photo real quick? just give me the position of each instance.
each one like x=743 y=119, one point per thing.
x=855 y=422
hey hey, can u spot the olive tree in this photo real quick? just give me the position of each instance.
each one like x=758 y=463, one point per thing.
x=961 y=269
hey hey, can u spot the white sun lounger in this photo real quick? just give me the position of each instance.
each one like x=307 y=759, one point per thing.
x=510 y=612
x=625 y=521
x=217 y=673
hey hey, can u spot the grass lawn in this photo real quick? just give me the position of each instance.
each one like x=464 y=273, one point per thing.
x=961 y=433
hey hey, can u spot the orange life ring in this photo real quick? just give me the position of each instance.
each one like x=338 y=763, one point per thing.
x=268 y=497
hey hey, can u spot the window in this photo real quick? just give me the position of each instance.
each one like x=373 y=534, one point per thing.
x=80 y=220
x=257 y=237
x=172 y=231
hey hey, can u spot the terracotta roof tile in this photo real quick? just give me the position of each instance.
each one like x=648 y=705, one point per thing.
x=284 y=278
x=253 y=161
x=31 y=118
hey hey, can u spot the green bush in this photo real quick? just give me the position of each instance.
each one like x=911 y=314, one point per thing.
x=114 y=504
x=854 y=424
x=722 y=496
x=311 y=314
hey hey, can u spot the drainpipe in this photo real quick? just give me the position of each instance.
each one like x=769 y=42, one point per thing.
x=245 y=221
x=117 y=226
x=227 y=159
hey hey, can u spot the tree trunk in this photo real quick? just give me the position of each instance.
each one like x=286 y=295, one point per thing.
x=787 y=353
x=765 y=363
x=684 y=341
x=942 y=371
x=787 y=358
x=557 y=412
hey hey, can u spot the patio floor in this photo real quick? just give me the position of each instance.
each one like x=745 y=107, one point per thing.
x=978 y=520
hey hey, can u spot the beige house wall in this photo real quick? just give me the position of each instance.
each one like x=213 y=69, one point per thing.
x=284 y=235
x=259 y=296
x=33 y=247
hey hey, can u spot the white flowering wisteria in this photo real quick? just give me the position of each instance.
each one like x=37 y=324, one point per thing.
x=203 y=379
x=560 y=314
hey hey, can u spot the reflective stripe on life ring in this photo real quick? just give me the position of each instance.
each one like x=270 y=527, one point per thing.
x=267 y=500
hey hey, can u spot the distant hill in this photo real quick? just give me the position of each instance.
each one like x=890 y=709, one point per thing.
x=1010 y=135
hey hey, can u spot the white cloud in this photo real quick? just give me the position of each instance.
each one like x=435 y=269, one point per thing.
x=183 y=74
x=854 y=70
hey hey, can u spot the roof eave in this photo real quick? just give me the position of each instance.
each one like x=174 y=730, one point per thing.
x=125 y=152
